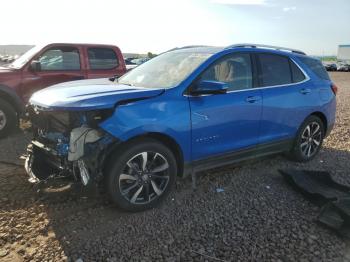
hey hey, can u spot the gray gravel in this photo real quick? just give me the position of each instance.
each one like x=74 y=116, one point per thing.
x=257 y=217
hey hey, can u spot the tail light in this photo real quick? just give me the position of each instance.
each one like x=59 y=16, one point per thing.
x=334 y=88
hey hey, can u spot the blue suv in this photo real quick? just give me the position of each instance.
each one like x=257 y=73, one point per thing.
x=189 y=109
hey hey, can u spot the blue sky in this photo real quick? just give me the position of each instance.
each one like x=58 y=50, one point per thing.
x=315 y=26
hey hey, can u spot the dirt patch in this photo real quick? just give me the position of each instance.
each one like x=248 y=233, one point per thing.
x=257 y=217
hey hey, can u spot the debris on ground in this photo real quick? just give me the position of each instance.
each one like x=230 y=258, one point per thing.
x=323 y=190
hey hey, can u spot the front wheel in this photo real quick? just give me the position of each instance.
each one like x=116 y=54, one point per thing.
x=141 y=175
x=308 y=140
x=8 y=118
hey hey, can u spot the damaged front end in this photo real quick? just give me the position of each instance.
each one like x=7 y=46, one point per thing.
x=67 y=144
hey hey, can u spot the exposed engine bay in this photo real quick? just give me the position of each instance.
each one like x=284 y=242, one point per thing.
x=67 y=144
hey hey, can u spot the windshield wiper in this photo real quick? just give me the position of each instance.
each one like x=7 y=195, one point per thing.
x=113 y=78
x=126 y=84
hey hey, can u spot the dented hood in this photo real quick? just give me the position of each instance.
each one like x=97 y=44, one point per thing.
x=89 y=95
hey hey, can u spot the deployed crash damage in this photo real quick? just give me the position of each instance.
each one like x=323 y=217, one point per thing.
x=67 y=144
x=67 y=138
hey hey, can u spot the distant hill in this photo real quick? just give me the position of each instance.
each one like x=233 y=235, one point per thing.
x=14 y=49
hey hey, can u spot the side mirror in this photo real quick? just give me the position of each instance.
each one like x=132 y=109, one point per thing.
x=207 y=87
x=35 y=66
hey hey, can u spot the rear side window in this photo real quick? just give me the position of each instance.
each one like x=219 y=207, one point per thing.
x=297 y=75
x=275 y=70
x=102 y=58
x=316 y=67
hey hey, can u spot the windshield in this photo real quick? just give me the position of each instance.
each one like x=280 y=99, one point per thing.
x=23 y=59
x=166 y=70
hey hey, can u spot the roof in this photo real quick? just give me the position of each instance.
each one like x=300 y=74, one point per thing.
x=215 y=49
x=198 y=49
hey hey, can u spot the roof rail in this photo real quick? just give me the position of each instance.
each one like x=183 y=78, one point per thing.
x=267 y=46
x=185 y=47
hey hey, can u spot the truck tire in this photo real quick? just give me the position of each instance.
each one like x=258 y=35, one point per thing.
x=8 y=118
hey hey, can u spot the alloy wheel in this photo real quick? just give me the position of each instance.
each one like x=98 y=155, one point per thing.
x=144 y=178
x=311 y=139
x=3 y=120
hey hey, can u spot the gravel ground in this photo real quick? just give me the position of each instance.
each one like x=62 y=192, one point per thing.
x=258 y=217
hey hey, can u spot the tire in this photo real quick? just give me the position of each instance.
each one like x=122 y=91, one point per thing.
x=306 y=147
x=135 y=186
x=8 y=118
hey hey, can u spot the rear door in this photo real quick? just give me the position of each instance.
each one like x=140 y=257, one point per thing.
x=228 y=122
x=58 y=64
x=288 y=97
x=104 y=62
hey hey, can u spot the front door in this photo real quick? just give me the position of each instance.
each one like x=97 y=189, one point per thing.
x=58 y=64
x=228 y=122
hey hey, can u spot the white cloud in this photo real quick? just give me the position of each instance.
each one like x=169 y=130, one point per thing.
x=239 y=2
x=289 y=8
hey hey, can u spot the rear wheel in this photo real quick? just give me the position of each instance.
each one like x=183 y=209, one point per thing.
x=309 y=139
x=8 y=118
x=141 y=175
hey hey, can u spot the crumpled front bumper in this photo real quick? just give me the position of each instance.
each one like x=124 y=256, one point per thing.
x=42 y=163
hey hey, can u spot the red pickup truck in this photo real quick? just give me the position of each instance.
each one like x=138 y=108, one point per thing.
x=43 y=66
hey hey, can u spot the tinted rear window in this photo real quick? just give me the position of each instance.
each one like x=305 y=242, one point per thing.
x=102 y=58
x=275 y=70
x=316 y=67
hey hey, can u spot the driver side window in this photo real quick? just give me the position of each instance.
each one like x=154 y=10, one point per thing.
x=65 y=58
x=234 y=70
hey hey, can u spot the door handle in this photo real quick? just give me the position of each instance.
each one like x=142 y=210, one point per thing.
x=252 y=99
x=305 y=91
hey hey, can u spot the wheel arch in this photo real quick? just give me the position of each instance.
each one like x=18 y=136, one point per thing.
x=166 y=140
x=323 y=118
x=12 y=98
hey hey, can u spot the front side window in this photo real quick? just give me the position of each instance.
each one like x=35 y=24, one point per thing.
x=234 y=70
x=102 y=58
x=275 y=70
x=60 y=58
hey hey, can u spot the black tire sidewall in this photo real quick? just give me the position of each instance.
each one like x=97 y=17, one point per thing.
x=297 y=154
x=118 y=162
x=11 y=118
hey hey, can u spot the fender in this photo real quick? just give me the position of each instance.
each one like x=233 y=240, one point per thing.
x=12 y=97
x=170 y=117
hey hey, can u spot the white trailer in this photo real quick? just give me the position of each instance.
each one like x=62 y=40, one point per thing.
x=344 y=53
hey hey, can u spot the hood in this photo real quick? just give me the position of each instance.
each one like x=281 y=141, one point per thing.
x=4 y=70
x=88 y=95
